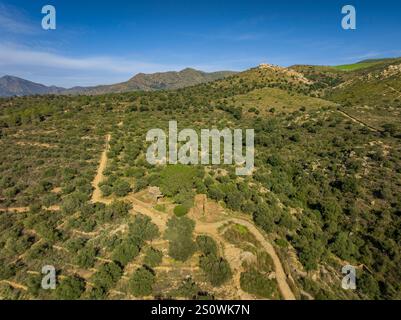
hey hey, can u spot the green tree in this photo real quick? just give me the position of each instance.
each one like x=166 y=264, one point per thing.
x=180 y=210
x=343 y=246
x=106 y=190
x=86 y=257
x=106 y=276
x=206 y=245
x=215 y=193
x=141 y=282
x=153 y=257
x=143 y=228
x=126 y=251
x=256 y=283
x=70 y=288
x=217 y=269
x=121 y=188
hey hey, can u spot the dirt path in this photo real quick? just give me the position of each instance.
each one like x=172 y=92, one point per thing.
x=35 y=144
x=26 y=209
x=15 y=210
x=358 y=121
x=158 y=218
x=394 y=89
x=15 y=285
x=97 y=193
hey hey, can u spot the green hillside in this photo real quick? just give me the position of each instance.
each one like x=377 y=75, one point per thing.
x=356 y=66
x=365 y=64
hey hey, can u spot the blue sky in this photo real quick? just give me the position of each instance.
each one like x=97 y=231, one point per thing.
x=101 y=42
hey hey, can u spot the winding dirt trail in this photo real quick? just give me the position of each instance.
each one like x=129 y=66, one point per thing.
x=158 y=218
x=15 y=285
x=394 y=89
x=97 y=193
x=15 y=209
x=358 y=121
x=26 y=209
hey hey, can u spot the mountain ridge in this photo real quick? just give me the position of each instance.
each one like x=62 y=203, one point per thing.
x=316 y=77
x=16 y=86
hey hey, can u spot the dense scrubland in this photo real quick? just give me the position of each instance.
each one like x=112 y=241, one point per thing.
x=325 y=190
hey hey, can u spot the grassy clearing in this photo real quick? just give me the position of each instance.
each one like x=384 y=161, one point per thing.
x=356 y=66
x=272 y=100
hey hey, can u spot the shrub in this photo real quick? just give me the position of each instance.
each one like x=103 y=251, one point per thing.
x=141 y=282
x=70 y=288
x=160 y=207
x=215 y=193
x=369 y=286
x=143 y=229
x=256 y=283
x=153 y=257
x=121 y=188
x=49 y=200
x=188 y=289
x=34 y=284
x=86 y=257
x=206 y=245
x=75 y=244
x=181 y=249
x=234 y=200
x=126 y=251
x=106 y=190
x=116 y=210
x=180 y=210
x=106 y=276
x=73 y=202
x=217 y=269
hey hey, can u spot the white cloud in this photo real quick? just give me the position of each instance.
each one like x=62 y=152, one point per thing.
x=13 y=55
x=43 y=66
x=14 y=21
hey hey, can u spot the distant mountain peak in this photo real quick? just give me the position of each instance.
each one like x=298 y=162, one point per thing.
x=15 y=86
x=190 y=69
x=8 y=77
x=162 y=81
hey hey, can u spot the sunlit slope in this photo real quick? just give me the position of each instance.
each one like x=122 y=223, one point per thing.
x=267 y=101
x=265 y=76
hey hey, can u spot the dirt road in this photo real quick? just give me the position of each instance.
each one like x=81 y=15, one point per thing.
x=358 y=121
x=158 y=218
x=15 y=285
x=97 y=193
